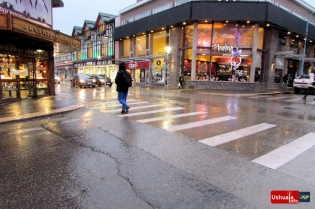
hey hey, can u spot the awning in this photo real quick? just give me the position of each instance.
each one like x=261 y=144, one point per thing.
x=291 y=55
x=62 y=42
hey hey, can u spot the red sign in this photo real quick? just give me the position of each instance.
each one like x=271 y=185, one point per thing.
x=285 y=197
x=137 y=65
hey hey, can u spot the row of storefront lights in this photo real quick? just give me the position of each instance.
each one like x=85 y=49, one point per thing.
x=184 y=23
x=289 y=33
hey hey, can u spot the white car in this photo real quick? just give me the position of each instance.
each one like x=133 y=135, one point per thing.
x=301 y=83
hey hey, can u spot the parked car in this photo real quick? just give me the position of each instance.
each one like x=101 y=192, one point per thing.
x=57 y=79
x=100 y=80
x=83 y=80
x=301 y=83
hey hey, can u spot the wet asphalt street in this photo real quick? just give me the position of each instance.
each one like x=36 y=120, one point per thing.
x=176 y=149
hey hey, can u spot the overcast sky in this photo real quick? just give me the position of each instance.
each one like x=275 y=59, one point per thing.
x=75 y=12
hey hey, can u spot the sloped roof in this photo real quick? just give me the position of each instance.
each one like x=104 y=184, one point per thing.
x=88 y=24
x=106 y=17
x=76 y=30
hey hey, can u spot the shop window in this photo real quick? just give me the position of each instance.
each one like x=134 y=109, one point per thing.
x=159 y=43
x=89 y=52
x=141 y=45
x=189 y=34
x=204 y=35
x=233 y=35
x=126 y=48
x=101 y=27
x=8 y=67
x=158 y=67
x=9 y=90
x=104 y=50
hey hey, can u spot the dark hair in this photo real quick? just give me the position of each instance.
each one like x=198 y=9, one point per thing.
x=122 y=66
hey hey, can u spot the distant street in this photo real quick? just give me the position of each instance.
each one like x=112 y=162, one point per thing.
x=174 y=149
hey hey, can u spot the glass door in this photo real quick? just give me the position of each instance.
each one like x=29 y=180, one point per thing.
x=28 y=77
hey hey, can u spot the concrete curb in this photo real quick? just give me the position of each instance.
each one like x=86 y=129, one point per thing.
x=39 y=114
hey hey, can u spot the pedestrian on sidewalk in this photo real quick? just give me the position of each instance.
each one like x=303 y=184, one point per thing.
x=310 y=86
x=284 y=82
x=123 y=81
x=181 y=81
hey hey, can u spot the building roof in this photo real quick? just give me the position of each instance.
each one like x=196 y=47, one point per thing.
x=262 y=13
x=77 y=30
x=88 y=24
x=107 y=17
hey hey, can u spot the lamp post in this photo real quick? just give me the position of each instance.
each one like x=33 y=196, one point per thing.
x=304 y=51
x=168 y=50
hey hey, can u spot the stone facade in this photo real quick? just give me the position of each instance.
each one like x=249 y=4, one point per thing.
x=225 y=85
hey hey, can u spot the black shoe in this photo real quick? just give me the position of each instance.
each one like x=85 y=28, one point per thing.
x=123 y=112
x=127 y=109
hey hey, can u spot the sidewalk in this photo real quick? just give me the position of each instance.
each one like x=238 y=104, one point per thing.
x=67 y=101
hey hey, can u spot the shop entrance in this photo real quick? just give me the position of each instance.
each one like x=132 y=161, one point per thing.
x=22 y=77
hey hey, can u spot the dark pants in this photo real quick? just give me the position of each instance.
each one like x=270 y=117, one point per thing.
x=307 y=91
x=182 y=84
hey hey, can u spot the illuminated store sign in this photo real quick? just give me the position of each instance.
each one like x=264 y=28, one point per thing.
x=38 y=31
x=225 y=48
x=137 y=65
x=14 y=49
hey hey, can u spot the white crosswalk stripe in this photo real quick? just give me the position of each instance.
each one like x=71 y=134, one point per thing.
x=274 y=159
x=276 y=98
x=284 y=154
x=117 y=104
x=134 y=108
x=256 y=97
x=293 y=100
x=227 y=137
x=170 y=117
x=199 y=123
x=153 y=111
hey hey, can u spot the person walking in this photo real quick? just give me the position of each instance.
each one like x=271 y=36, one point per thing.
x=285 y=81
x=310 y=86
x=123 y=81
x=181 y=81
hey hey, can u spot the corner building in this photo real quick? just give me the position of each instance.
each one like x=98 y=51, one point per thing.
x=28 y=45
x=241 y=45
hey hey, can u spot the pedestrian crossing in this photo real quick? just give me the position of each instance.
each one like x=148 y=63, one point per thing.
x=233 y=135
x=157 y=114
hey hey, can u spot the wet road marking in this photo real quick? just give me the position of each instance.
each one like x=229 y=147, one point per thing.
x=285 y=153
x=69 y=121
x=28 y=130
x=117 y=103
x=227 y=137
x=154 y=111
x=256 y=97
x=199 y=123
x=293 y=100
x=134 y=108
x=276 y=98
x=36 y=134
x=311 y=102
x=170 y=117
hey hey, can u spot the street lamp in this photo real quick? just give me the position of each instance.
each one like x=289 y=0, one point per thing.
x=168 y=50
x=304 y=52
